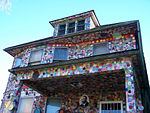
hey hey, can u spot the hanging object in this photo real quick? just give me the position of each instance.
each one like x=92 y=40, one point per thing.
x=9 y=105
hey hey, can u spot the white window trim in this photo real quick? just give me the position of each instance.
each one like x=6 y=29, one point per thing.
x=33 y=62
x=64 y=29
x=101 y=102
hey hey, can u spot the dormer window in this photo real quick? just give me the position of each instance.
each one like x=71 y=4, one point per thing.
x=71 y=27
x=61 y=30
x=81 y=25
x=75 y=23
x=35 y=57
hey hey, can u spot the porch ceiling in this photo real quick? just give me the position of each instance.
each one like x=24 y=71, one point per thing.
x=97 y=82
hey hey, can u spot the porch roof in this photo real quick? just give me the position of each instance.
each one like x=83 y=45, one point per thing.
x=107 y=81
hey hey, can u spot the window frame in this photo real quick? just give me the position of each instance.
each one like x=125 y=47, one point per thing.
x=80 y=25
x=35 y=62
x=26 y=98
x=71 y=27
x=103 y=102
x=99 y=44
x=57 y=60
x=60 y=29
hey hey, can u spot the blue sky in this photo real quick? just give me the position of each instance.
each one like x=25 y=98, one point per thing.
x=29 y=20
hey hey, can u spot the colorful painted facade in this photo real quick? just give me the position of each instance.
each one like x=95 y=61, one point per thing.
x=101 y=63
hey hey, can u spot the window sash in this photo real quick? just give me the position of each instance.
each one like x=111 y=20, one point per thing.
x=61 y=29
x=25 y=105
x=81 y=22
x=101 y=48
x=36 y=55
x=60 y=54
x=71 y=24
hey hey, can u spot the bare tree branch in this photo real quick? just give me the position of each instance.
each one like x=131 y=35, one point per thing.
x=5 y=5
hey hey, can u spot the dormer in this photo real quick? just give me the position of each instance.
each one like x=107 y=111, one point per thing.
x=75 y=23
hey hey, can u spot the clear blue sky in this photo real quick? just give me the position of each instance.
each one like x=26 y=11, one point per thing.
x=29 y=21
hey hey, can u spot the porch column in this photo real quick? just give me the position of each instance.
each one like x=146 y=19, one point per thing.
x=17 y=94
x=130 y=90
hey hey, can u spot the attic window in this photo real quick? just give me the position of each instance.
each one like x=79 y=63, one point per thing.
x=71 y=27
x=61 y=30
x=81 y=24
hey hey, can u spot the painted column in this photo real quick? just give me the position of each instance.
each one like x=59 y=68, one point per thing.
x=76 y=23
x=130 y=88
x=66 y=29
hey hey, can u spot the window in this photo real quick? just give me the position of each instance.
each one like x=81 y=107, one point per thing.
x=101 y=48
x=60 y=54
x=25 y=105
x=71 y=27
x=53 y=105
x=81 y=24
x=61 y=30
x=35 y=57
x=18 y=61
x=111 y=107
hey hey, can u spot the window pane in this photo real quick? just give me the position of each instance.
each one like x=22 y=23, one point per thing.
x=36 y=55
x=80 y=28
x=71 y=24
x=25 y=105
x=62 y=26
x=101 y=48
x=61 y=32
x=53 y=105
x=71 y=30
x=60 y=54
x=81 y=22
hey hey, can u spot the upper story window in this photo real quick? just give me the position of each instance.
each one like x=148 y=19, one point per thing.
x=18 y=61
x=60 y=54
x=61 y=30
x=35 y=57
x=101 y=48
x=71 y=27
x=81 y=25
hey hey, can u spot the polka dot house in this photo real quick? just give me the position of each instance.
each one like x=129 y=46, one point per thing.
x=84 y=67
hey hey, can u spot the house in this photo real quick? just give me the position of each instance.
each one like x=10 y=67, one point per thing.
x=84 y=67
